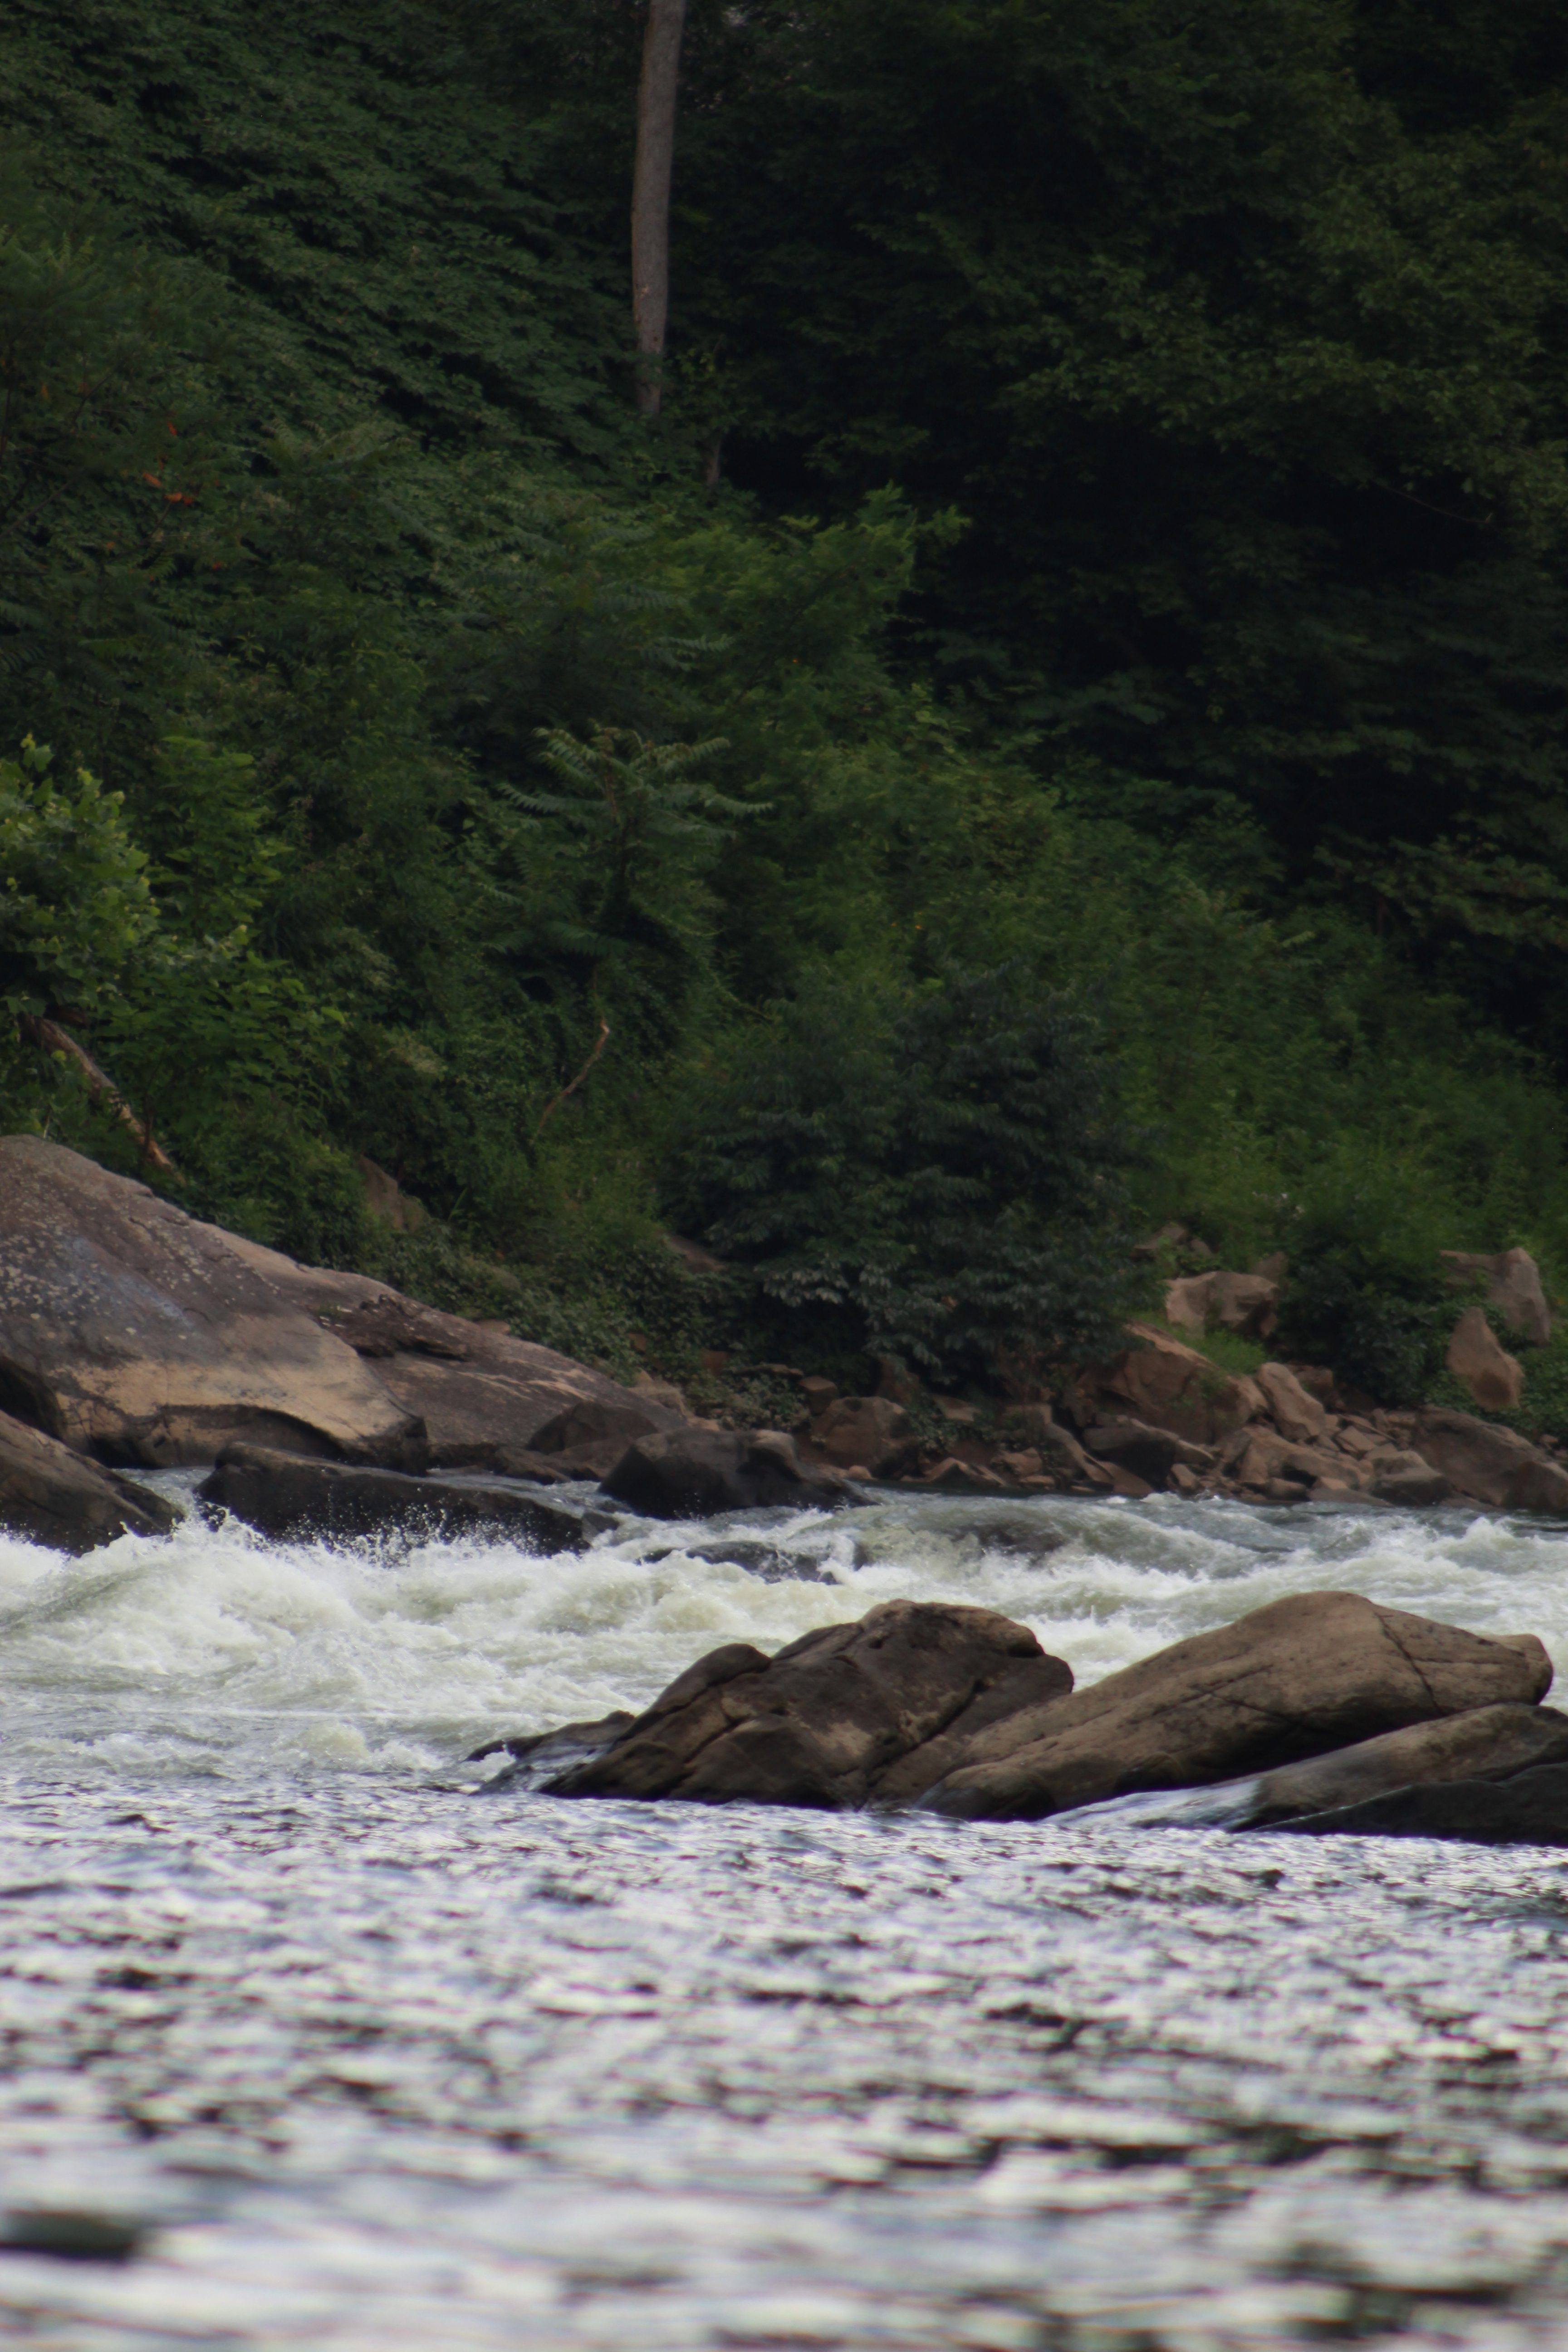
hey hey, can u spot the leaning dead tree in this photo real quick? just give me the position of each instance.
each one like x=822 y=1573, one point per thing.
x=650 y=192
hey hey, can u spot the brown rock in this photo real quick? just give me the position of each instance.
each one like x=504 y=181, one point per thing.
x=1149 y=1454
x=1020 y=1465
x=872 y=1431
x=131 y=1331
x=848 y=1715
x=1167 y=1384
x=1297 y=1416
x=818 y=1395
x=1494 y=1377
x=956 y=1477
x=1187 y=1303
x=385 y=1198
x=1485 y=1744
x=1265 y=1459
x=1182 y=1481
x=50 y=1495
x=1495 y=1464
x=691 y=1471
x=1513 y=1285
x=1060 y=1453
x=1293 y=1680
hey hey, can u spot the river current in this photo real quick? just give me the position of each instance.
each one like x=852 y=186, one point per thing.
x=310 y=2041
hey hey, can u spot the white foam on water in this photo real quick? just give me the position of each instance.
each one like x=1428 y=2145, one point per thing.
x=217 y=1649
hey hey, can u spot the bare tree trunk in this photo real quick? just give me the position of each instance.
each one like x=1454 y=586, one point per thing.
x=53 y=1039
x=650 y=192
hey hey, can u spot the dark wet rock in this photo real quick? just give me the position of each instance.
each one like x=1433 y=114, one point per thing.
x=542 y=1756
x=1487 y=1743
x=1316 y=1672
x=133 y=1332
x=54 y=1497
x=872 y=1711
x=1530 y=1808
x=694 y=1473
x=1018 y=1531
x=290 y=1494
x=1415 y=1489
x=765 y=1560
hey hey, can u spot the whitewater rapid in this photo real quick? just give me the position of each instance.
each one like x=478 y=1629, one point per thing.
x=356 y=2056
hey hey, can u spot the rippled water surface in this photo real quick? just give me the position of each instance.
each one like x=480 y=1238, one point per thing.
x=358 y=2055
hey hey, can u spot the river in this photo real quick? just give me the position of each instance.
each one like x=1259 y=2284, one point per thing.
x=335 y=2050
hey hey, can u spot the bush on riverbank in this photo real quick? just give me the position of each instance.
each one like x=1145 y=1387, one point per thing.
x=522 y=811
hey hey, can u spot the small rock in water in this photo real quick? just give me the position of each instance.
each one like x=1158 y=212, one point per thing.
x=763 y=1560
x=538 y=1756
x=74 y=2234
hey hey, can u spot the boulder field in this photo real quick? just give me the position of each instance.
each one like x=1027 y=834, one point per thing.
x=1320 y=1712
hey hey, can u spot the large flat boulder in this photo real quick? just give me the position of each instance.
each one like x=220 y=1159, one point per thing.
x=849 y=1715
x=289 y=1494
x=54 y=1497
x=693 y=1472
x=1316 y=1672
x=488 y=1401
x=131 y=1331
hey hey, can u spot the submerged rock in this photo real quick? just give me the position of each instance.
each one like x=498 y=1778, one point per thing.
x=848 y=1715
x=287 y=1494
x=1304 y=1676
x=54 y=1497
x=693 y=1472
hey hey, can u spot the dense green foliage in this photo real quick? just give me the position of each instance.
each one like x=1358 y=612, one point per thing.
x=1060 y=724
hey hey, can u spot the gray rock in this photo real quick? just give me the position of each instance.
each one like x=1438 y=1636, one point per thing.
x=51 y=1495
x=852 y=1714
x=764 y=1561
x=1316 y=1672
x=694 y=1473
x=290 y=1494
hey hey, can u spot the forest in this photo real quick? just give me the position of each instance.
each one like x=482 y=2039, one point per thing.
x=1052 y=730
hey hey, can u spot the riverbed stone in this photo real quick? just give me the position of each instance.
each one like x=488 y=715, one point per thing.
x=1149 y=1454
x=1297 y=1416
x=1315 y=1672
x=287 y=1494
x=1528 y=1809
x=52 y=1495
x=693 y=1472
x=1484 y=1743
x=848 y=1715
x=1490 y=1461
x=1163 y=1383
